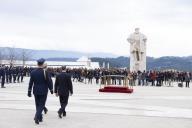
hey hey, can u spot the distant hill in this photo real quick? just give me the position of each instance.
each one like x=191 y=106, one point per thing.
x=35 y=54
x=179 y=63
x=167 y=62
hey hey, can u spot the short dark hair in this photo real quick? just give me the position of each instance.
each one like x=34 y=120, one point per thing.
x=63 y=67
x=40 y=63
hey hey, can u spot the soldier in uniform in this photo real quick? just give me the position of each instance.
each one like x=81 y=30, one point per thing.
x=63 y=86
x=15 y=73
x=40 y=82
x=18 y=74
x=7 y=74
x=2 y=76
x=22 y=74
x=10 y=74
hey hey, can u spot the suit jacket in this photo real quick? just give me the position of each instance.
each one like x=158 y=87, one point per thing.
x=63 y=84
x=40 y=82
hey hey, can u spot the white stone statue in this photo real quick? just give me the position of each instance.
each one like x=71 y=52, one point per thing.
x=137 y=42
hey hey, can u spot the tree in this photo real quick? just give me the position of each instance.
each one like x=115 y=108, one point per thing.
x=12 y=55
x=25 y=56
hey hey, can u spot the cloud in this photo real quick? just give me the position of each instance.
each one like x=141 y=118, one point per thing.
x=97 y=25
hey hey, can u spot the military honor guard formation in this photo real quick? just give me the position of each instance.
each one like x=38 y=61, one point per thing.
x=10 y=74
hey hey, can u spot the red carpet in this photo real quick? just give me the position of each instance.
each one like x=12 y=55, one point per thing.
x=116 y=89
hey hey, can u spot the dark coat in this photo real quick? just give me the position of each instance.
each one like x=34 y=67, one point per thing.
x=40 y=81
x=63 y=84
x=2 y=72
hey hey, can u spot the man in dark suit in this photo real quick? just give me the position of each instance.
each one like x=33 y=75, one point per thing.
x=40 y=82
x=63 y=87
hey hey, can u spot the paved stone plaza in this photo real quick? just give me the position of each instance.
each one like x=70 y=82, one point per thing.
x=147 y=107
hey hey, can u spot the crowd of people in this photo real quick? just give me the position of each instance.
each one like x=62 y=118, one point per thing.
x=10 y=74
x=153 y=78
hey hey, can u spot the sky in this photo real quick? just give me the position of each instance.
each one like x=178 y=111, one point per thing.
x=97 y=25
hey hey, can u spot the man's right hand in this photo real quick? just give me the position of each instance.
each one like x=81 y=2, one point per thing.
x=29 y=94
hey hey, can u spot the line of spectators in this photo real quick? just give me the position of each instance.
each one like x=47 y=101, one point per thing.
x=153 y=78
x=88 y=76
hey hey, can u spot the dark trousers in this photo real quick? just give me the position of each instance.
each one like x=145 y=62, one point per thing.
x=10 y=78
x=14 y=77
x=63 y=102
x=2 y=80
x=40 y=104
x=153 y=82
x=90 y=80
x=22 y=78
x=97 y=81
x=143 y=82
x=18 y=77
x=187 y=84
x=7 y=78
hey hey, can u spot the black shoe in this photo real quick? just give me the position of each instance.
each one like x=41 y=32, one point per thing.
x=36 y=121
x=64 y=113
x=3 y=87
x=41 y=120
x=60 y=115
x=45 y=110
